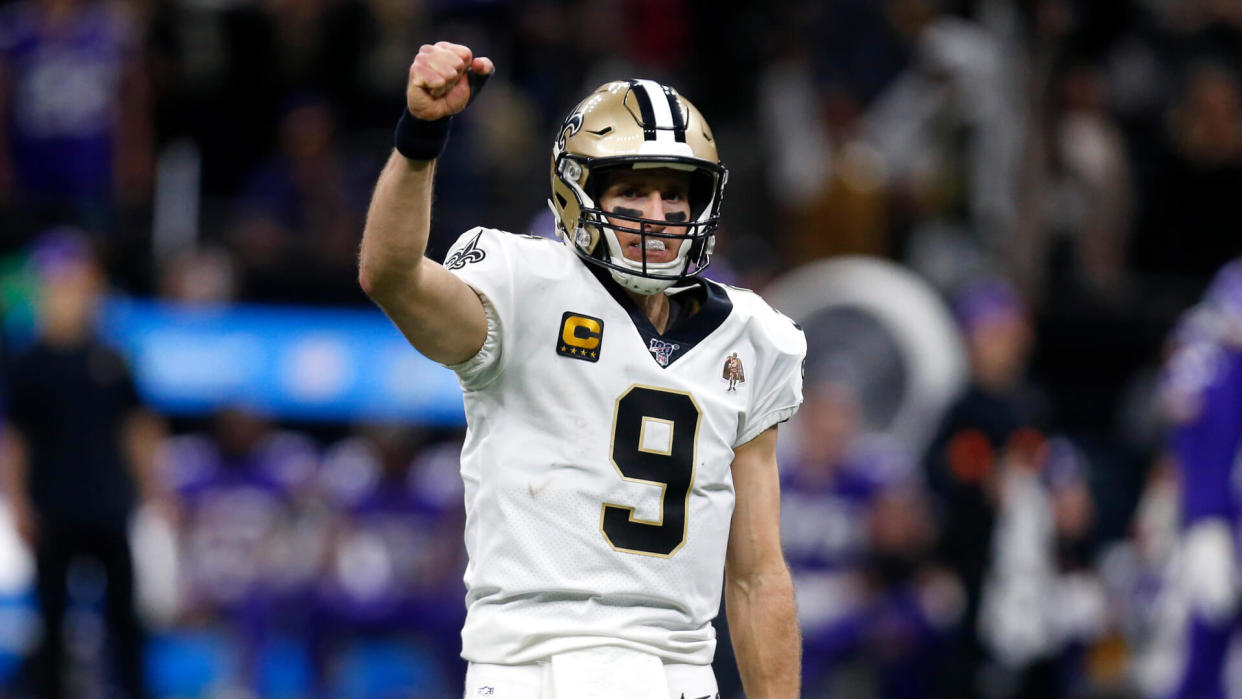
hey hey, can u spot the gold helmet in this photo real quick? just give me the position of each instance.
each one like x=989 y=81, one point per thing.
x=635 y=124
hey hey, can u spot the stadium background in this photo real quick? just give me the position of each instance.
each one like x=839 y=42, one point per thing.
x=1086 y=153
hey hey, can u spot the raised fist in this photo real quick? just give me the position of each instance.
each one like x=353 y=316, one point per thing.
x=438 y=86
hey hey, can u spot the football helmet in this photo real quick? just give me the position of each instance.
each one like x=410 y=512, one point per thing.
x=636 y=124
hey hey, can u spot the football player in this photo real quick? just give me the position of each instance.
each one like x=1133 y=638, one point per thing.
x=610 y=475
x=1202 y=396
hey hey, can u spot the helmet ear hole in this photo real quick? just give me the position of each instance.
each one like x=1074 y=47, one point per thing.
x=702 y=190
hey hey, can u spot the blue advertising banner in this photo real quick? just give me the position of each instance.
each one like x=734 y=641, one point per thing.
x=287 y=362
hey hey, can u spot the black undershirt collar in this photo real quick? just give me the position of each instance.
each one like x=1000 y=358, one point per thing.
x=696 y=309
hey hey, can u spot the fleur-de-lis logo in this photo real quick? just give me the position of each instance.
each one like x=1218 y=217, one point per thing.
x=572 y=125
x=470 y=253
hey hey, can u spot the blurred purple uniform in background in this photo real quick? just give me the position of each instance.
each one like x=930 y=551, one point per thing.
x=1203 y=395
x=64 y=84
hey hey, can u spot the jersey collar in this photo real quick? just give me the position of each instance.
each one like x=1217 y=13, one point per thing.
x=687 y=327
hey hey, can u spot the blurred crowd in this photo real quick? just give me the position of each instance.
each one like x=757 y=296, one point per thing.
x=1059 y=173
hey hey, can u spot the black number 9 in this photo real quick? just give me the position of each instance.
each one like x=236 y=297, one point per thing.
x=654 y=437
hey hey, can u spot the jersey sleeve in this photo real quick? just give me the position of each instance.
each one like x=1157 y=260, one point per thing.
x=777 y=378
x=482 y=258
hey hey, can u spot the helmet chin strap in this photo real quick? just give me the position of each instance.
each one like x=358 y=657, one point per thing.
x=640 y=285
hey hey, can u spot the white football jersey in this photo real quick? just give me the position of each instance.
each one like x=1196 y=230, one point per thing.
x=597 y=457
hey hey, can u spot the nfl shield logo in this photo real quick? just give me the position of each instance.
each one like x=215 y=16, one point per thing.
x=662 y=350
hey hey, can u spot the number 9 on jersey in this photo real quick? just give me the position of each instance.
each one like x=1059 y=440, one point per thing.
x=654 y=435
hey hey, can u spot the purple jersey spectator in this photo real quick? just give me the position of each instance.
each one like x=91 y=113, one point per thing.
x=855 y=594
x=234 y=506
x=65 y=75
x=390 y=564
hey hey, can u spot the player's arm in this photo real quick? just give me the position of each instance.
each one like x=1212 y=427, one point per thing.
x=14 y=466
x=142 y=433
x=759 y=595
x=437 y=312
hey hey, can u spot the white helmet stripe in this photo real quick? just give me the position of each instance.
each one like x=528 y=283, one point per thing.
x=654 y=93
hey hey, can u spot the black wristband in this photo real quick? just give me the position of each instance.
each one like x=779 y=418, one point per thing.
x=420 y=140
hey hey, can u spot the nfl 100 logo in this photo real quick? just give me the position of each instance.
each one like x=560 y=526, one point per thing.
x=663 y=351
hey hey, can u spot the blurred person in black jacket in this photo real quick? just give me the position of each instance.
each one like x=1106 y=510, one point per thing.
x=78 y=449
x=990 y=424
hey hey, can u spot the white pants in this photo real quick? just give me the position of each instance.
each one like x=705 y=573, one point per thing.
x=535 y=681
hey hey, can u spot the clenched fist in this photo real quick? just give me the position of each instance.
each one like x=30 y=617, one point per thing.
x=438 y=86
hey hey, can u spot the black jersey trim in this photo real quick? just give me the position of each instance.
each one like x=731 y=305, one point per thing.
x=689 y=327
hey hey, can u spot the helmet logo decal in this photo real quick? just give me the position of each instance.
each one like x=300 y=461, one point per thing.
x=572 y=125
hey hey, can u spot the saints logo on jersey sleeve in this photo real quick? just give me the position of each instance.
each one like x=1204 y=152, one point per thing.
x=464 y=256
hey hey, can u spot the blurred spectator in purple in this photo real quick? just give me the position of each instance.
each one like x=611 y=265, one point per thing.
x=242 y=563
x=857 y=534
x=390 y=571
x=76 y=136
x=79 y=451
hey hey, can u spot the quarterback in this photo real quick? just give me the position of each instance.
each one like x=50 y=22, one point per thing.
x=613 y=473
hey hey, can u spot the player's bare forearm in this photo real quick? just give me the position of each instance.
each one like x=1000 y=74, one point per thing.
x=759 y=596
x=143 y=433
x=14 y=467
x=437 y=312
x=763 y=627
x=398 y=222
